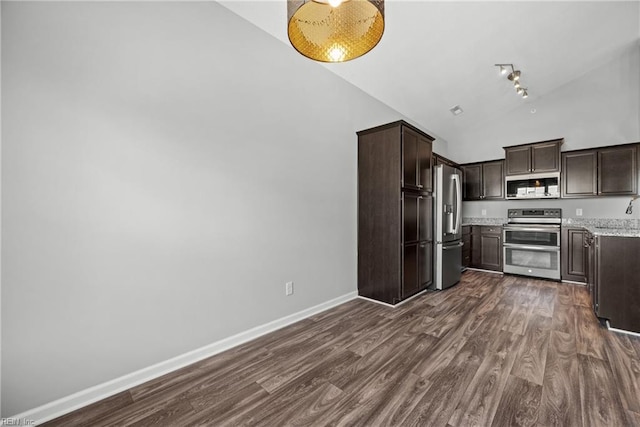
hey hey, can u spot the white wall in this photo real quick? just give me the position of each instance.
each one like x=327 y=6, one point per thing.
x=567 y=112
x=166 y=167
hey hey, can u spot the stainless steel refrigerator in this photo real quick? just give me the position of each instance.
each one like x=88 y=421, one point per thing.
x=448 y=226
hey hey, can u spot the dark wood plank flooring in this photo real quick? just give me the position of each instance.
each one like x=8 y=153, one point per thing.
x=493 y=350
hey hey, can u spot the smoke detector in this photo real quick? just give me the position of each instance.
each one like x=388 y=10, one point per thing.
x=456 y=110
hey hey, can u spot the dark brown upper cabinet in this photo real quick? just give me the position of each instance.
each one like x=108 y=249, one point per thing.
x=483 y=181
x=579 y=174
x=607 y=171
x=536 y=157
x=618 y=171
x=416 y=156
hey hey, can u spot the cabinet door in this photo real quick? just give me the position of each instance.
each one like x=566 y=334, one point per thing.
x=617 y=171
x=579 y=174
x=493 y=180
x=545 y=157
x=425 y=220
x=574 y=265
x=593 y=274
x=410 y=281
x=491 y=252
x=491 y=248
x=425 y=263
x=472 y=180
x=518 y=160
x=476 y=248
x=466 y=246
x=588 y=270
x=425 y=176
x=616 y=287
x=410 y=217
x=410 y=158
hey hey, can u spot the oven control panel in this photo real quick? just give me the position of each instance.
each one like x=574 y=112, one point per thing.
x=534 y=213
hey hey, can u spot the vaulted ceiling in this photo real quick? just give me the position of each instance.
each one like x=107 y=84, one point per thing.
x=435 y=55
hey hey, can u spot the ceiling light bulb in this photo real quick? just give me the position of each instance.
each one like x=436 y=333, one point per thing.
x=336 y=53
x=525 y=94
x=503 y=70
x=335 y=3
x=520 y=90
x=516 y=84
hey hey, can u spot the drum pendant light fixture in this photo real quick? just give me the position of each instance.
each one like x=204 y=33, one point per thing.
x=335 y=30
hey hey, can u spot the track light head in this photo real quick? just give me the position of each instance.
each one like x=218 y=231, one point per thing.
x=514 y=76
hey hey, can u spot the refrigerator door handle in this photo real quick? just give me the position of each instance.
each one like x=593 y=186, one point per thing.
x=457 y=210
x=457 y=245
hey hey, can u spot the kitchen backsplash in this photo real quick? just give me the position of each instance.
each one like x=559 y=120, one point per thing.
x=593 y=208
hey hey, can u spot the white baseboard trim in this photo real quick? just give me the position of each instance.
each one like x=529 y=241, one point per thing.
x=93 y=394
x=386 y=304
x=622 y=331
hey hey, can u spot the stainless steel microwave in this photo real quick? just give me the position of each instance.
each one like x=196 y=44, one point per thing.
x=533 y=186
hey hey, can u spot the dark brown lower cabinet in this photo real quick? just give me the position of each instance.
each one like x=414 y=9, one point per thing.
x=574 y=254
x=486 y=247
x=417 y=269
x=466 y=247
x=616 y=284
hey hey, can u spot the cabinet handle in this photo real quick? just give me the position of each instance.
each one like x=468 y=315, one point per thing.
x=420 y=186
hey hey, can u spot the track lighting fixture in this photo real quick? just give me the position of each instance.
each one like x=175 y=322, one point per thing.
x=513 y=76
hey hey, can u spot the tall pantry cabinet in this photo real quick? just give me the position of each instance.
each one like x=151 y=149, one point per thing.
x=395 y=210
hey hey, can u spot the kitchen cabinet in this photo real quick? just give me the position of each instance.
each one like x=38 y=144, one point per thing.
x=579 y=174
x=483 y=181
x=590 y=270
x=466 y=246
x=618 y=171
x=416 y=157
x=574 y=254
x=613 y=281
x=486 y=247
x=607 y=171
x=533 y=158
x=395 y=212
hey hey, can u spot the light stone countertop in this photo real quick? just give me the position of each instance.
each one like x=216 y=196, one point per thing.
x=606 y=227
x=597 y=226
x=483 y=221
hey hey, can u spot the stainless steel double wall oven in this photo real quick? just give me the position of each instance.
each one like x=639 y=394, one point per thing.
x=531 y=242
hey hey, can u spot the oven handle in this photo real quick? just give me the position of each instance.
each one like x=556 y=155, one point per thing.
x=549 y=229
x=532 y=248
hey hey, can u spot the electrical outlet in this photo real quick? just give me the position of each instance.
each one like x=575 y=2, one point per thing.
x=484 y=212
x=288 y=288
x=579 y=212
